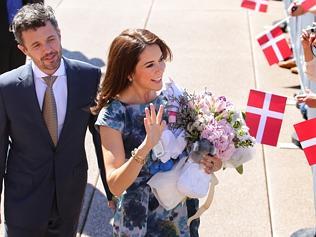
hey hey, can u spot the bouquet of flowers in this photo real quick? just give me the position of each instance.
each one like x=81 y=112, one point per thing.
x=199 y=124
x=215 y=119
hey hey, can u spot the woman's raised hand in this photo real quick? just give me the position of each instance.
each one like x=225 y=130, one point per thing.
x=154 y=125
x=307 y=39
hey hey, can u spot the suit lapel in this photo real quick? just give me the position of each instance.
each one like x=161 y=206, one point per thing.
x=71 y=92
x=28 y=92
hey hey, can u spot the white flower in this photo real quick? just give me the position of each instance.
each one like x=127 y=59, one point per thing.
x=240 y=156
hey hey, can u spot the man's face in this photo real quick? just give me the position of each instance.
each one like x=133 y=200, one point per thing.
x=43 y=46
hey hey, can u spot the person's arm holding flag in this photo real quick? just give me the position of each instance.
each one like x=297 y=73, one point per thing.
x=297 y=9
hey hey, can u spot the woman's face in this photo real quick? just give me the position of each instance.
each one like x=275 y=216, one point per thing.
x=149 y=69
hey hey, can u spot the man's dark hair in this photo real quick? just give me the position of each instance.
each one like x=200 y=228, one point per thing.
x=32 y=16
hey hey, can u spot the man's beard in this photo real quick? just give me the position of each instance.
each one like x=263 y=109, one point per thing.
x=52 y=65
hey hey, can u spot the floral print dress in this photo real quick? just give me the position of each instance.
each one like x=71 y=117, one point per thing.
x=138 y=211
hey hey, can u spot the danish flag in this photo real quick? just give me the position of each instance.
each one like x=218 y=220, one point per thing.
x=274 y=45
x=264 y=116
x=307 y=4
x=257 y=5
x=306 y=133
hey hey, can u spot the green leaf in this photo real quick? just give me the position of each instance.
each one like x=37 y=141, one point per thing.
x=243 y=115
x=240 y=169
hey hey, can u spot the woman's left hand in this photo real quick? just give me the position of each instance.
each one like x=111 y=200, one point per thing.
x=211 y=163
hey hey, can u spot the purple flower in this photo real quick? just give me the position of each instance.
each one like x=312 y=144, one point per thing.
x=221 y=104
x=221 y=134
x=203 y=115
x=205 y=103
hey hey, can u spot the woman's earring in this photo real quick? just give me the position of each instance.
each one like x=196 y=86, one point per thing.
x=130 y=79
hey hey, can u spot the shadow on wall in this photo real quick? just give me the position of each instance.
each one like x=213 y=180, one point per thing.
x=97 y=221
x=80 y=56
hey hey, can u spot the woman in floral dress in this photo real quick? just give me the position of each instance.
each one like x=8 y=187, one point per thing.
x=130 y=127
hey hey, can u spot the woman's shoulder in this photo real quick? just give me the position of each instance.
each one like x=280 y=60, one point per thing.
x=115 y=103
x=112 y=115
x=114 y=107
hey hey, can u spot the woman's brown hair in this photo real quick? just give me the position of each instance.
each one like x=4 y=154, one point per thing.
x=122 y=59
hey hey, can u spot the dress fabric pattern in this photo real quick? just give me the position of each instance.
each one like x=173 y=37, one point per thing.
x=138 y=211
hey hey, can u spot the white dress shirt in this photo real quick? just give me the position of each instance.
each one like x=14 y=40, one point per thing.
x=59 y=89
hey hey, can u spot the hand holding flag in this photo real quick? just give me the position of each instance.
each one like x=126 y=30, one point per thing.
x=309 y=98
x=297 y=9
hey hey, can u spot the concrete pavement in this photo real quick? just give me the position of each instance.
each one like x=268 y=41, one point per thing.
x=214 y=46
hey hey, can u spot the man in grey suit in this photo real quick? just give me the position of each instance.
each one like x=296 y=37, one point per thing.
x=44 y=166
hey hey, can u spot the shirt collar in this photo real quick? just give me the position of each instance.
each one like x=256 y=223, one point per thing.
x=61 y=71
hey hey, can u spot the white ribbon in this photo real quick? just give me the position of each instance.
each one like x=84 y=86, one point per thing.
x=264 y=112
x=208 y=201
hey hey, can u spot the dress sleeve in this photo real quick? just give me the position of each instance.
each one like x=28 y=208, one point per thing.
x=310 y=69
x=113 y=116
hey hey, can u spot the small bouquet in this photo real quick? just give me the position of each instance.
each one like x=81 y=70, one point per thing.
x=211 y=119
x=207 y=125
x=215 y=119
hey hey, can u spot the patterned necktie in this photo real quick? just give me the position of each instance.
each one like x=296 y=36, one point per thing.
x=50 y=110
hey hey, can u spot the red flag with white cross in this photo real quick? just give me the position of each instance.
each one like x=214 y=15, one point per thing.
x=274 y=45
x=264 y=116
x=307 y=4
x=306 y=133
x=256 y=5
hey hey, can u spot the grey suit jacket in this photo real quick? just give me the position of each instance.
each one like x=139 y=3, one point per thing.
x=33 y=169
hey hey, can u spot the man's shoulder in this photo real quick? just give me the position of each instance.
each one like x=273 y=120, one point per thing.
x=13 y=76
x=80 y=64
